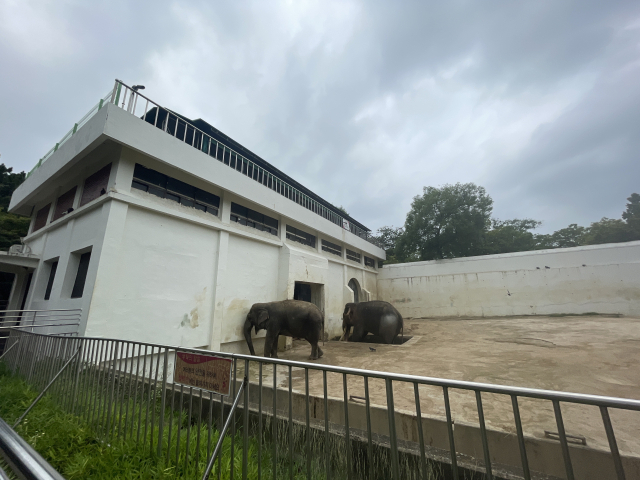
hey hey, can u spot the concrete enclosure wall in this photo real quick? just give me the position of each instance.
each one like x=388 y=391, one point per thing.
x=599 y=278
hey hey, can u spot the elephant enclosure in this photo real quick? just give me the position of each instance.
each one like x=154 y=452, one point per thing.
x=582 y=354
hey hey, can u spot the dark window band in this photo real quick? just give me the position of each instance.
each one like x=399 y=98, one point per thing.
x=251 y=218
x=163 y=186
x=331 y=248
x=296 y=235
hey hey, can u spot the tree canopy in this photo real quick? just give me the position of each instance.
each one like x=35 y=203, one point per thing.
x=12 y=227
x=455 y=221
x=446 y=222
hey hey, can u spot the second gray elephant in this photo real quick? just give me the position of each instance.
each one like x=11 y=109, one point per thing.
x=377 y=317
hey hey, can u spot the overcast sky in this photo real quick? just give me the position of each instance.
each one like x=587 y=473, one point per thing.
x=363 y=102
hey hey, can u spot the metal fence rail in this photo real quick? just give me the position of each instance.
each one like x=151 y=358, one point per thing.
x=126 y=390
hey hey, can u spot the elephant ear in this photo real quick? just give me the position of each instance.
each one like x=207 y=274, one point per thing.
x=262 y=319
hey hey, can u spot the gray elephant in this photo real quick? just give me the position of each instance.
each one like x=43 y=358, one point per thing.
x=293 y=318
x=377 y=317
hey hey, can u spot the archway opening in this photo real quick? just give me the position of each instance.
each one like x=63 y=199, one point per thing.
x=355 y=286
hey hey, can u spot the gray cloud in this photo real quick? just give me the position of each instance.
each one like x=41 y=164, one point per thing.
x=363 y=102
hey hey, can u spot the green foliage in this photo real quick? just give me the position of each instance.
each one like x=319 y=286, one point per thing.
x=79 y=450
x=446 y=222
x=387 y=238
x=608 y=230
x=12 y=227
x=9 y=181
x=454 y=221
x=632 y=215
x=510 y=236
x=571 y=236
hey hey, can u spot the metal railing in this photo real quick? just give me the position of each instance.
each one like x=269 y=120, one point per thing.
x=74 y=129
x=57 y=321
x=63 y=322
x=126 y=390
x=128 y=99
x=23 y=460
x=141 y=106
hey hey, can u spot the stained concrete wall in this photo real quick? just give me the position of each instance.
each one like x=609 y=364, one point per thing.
x=599 y=278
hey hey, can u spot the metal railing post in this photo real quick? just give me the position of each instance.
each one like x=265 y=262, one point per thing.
x=33 y=404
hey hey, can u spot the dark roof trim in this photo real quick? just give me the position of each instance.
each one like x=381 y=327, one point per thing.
x=231 y=143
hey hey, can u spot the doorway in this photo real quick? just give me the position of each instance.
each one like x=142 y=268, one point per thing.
x=309 y=292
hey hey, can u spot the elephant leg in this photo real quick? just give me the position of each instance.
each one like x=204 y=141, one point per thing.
x=270 y=345
x=316 y=351
x=358 y=334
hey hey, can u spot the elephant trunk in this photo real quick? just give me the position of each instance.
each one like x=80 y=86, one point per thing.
x=247 y=335
x=345 y=335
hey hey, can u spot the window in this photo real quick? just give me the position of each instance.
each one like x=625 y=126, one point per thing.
x=52 y=276
x=353 y=256
x=96 y=185
x=332 y=248
x=299 y=236
x=41 y=217
x=369 y=262
x=380 y=263
x=64 y=204
x=81 y=276
x=251 y=218
x=171 y=188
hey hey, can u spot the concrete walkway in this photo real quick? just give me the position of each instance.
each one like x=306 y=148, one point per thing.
x=584 y=354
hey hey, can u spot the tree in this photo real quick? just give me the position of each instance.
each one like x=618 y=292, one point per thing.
x=446 y=222
x=632 y=215
x=387 y=239
x=8 y=183
x=511 y=236
x=12 y=227
x=571 y=236
x=608 y=230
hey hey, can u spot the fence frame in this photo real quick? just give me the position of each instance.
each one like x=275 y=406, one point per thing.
x=114 y=359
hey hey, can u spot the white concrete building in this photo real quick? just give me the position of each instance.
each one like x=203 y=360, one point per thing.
x=163 y=229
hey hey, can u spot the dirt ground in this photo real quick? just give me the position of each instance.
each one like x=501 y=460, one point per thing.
x=583 y=354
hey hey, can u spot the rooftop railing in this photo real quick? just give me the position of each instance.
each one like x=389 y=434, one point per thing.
x=70 y=133
x=131 y=100
x=134 y=102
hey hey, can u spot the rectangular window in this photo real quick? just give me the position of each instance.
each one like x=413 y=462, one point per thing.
x=251 y=218
x=41 y=217
x=369 y=262
x=299 y=236
x=163 y=186
x=332 y=248
x=81 y=276
x=52 y=276
x=64 y=204
x=380 y=263
x=353 y=256
x=95 y=185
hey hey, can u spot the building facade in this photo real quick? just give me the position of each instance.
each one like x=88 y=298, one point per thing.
x=162 y=229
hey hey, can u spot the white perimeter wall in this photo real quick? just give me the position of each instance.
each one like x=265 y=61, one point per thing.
x=599 y=278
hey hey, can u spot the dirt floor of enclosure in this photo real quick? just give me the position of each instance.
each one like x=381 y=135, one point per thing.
x=583 y=354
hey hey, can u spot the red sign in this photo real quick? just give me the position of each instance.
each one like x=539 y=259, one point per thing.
x=203 y=371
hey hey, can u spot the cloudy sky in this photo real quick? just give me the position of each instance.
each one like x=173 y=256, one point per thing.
x=364 y=102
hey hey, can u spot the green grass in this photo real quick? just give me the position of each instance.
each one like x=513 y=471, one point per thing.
x=78 y=451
